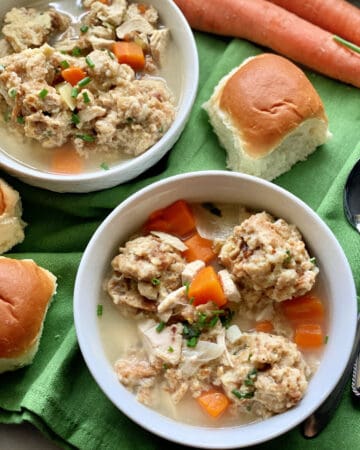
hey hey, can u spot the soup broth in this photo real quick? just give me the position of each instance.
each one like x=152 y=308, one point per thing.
x=121 y=335
x=30 y=152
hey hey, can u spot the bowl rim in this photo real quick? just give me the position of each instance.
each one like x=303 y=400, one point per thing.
x=144 y=161
x=211 y=438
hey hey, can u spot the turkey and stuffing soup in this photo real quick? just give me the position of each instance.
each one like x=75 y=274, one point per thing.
x=214 y=312
x=84 y=85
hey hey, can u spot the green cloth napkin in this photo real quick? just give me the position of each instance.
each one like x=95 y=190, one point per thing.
x=57 y=393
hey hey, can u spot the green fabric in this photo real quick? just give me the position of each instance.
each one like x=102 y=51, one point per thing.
x=57 y=393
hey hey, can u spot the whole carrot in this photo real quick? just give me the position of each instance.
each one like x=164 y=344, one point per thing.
x=271 y=26
x=337 y=16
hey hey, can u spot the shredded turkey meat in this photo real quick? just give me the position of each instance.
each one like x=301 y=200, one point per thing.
x=113 y=106
x=186 y=347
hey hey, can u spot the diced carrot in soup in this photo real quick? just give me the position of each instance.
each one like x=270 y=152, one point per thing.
x=265 y=326
x=66 y=160
x=305 y=308
x=129 y=53
x=176 y=218
x=309 y=336
x=73 y=75
x=199 y=248
x=206 y=287
x=213 y=402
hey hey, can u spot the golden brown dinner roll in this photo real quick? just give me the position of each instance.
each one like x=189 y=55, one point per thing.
x=25 y=293
x=11 y=224
x=267 y=115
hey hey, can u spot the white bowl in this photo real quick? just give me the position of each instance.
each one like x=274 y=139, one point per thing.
x=187 y=69
x=217 y=186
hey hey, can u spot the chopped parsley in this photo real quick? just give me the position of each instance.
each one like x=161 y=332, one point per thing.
x=75 y=119
x=212 y=208
x=104 y=166
x=90 y=62
x=86 y=97
x=170 y=349
x=99 y=310
x=84 y=82
x=84 y=28
x=155 y=281
x=12 y=92
x=313 y=260
x=76 y=51
x=192 y=342
x=86 y=137
x=287 y=257
x=64 y=64
x=160 y=327
x=251 y=377
x=241 y=394
x=43 y=93
x=74 y=92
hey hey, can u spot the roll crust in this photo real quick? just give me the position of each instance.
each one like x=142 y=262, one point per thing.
x=25 y=293
x=266 y=99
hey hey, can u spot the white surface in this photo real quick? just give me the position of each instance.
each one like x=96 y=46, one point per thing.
x=218 y=186
x=23 y=437
x=101 y=179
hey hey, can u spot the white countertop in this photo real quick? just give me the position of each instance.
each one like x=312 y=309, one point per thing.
x=23 y=437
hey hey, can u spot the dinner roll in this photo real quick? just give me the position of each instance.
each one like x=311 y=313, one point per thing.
x=11 y=224
x=267 y=115
x=25 y=293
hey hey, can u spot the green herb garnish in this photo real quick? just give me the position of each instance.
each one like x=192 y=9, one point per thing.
x=160 y=327
x=226 y=317
x=187 y=286
x=76 y=51
x=84 y=81
x=192 y=342
x=170 y=350
x=64 y=64
x=86 y=137
x=74 y=92
x=313 y=260
x=111 y=54
x=86 y=97
x=12 y=92
x=104 y=166
x=43 y=93
x=20 y=120
x=287 y=257
x=241 y=395
x=75 y=119
x=99 y=310
x=326 y=339
x=155 y=281
x=251 y=377
x=84 y=28
x=89 y=62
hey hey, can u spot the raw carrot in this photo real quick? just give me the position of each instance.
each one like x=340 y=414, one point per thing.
x=305 y=308
x=73 y=75
x=206 y=287
x=337 y=16
x=213 y=402
x=198 y=248
x=66 y=160
x=176 y=218
x=264 y=326
x=271 y=26
x=129 y=53
x=309 y=335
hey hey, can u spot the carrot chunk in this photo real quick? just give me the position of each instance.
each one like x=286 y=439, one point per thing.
x=305 y=308
x=129 y=53
x=176 y=218
x=2 y=203
x=265 y=326
x=206 y=287
x=198 y=248
x=73 y=75
x=309 y=335
x=213 y=402
x=66 y=160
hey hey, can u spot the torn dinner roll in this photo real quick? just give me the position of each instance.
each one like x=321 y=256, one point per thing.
x=26 y=290
x=267 y=115
x=11 y=224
